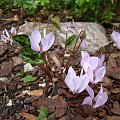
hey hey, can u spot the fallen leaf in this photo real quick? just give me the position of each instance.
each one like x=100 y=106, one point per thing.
x=15 y=18
x=113 y=118
x=115 y=90
x=28 y=116
x=38 y=92
x=106 y=81
x=116 y=108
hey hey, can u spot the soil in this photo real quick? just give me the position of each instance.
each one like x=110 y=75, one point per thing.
x=16 y=104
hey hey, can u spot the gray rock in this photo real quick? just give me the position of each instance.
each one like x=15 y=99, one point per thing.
x=95 y=33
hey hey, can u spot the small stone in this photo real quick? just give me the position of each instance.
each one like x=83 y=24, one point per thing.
x=3 y=79
x=42 y=84
x=9 y=103
x=28 y=67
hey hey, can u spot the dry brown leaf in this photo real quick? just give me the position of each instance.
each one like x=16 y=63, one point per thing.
x=15 y=18
x=28 y=116
x=38 y=92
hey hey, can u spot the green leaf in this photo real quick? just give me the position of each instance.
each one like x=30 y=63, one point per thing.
x=29 y=78
x=22 y=40
x=71 y=40
x=87 y=0
x=29 y=60
x=43 y=111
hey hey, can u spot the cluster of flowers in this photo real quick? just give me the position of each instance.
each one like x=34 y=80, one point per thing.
x=5 y=37
x=92 y=72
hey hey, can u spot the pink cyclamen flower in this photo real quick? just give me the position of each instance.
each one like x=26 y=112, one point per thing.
x=75 y=83
x=93 y=67
x=116 y=38
x=6 y=37
x=41 y=44
x=13 y=31
x=71 y=27
x=100 y=98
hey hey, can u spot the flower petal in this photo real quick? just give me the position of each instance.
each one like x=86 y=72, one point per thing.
x=101 y=99
x=35 y=45
x=76 y=83
x=69 y=78
x=115 y=36
x=35 y=40
x=84 y=83
x=87 y=100
x=90 y=91
x=93 y=62
x=99 y=74
x=90 y=75
x=36 y=36
x=50 y=39
x=13 y=30
x=85 y=61
x=44 y=44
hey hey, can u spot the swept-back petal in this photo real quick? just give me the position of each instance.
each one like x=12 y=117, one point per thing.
x=34 y=45
x=44 y=32
x=76 y=83
x=118 y=43
x=93 y=62
x=115 y=36
x=100 y=100
x=69 y=24
x=50 y=39
x=87 y=101
x=35 y=36
x=7 y=34
x=35 y=40
x=84 y=83
x=90 y=91
x=44 y=44
x=69 y=78
x=90 y=75
x=99 y=74
x=85 y=61
x=13 y=30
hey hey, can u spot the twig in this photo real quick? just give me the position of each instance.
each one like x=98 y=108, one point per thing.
x=46 y=71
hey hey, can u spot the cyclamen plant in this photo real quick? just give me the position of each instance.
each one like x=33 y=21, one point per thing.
x=92 y=68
